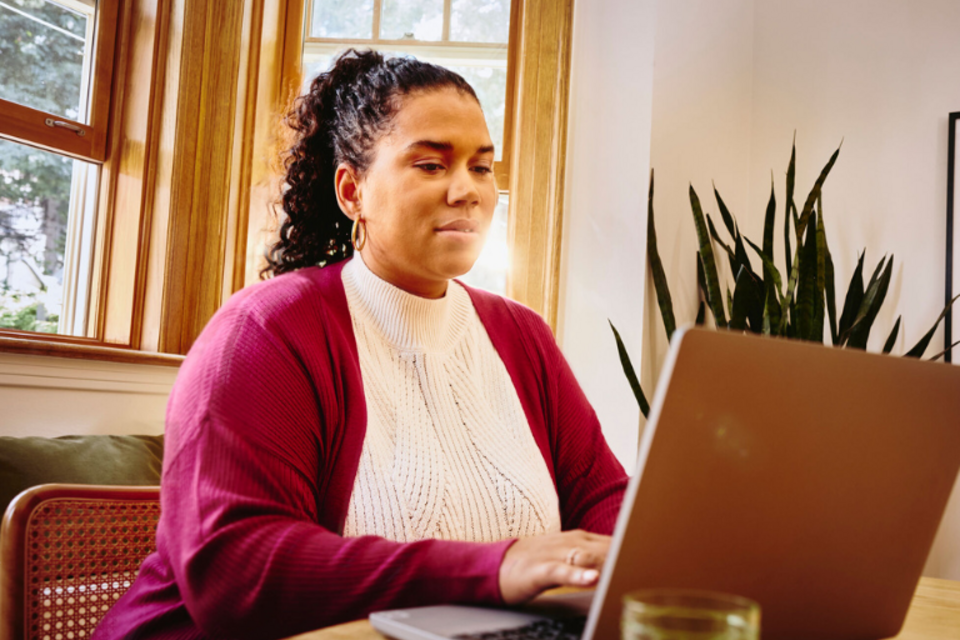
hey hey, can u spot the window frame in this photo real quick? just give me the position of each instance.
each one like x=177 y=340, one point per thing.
x=541 y=59
x=194 y=80
x=538 y=66
x=57 y=133
x=501 y=169
x=535 y=138
x=29 y=126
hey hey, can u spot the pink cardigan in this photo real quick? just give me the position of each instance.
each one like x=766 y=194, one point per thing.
x=263 y=438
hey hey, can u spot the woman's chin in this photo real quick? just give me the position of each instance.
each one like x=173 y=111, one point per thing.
x=457 y=269
x=453 y=264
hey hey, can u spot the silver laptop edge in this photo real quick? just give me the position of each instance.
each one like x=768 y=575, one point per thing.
x=630 y=496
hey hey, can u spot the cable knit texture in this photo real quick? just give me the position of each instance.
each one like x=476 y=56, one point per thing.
x=264 y=434
x=448 y=453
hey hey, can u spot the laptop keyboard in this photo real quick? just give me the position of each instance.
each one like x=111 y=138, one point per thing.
x=562 y=629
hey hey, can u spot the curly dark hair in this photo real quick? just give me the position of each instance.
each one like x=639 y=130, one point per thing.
x=339 y=120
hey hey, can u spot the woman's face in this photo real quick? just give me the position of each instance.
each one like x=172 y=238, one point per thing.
x=429 y=194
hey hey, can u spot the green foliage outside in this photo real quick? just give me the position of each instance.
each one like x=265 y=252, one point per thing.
x=42 y=67
x=22 y=311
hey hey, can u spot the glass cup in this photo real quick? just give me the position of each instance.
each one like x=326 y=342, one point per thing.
x=684 y=614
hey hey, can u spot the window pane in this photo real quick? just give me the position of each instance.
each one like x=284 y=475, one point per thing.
x=342 y=19
x=490 y=83
x=45 y=47
x=490 y=271
x=411 y=20
x=487 y=77
x=46 y=239
x=313 y=65
x=480 y=20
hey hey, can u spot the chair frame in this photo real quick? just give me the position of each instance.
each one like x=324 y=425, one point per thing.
x=13 y=540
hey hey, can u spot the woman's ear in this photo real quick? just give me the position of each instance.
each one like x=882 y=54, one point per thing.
x=347 y=186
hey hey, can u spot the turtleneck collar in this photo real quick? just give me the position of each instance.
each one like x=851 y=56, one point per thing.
x=406 y=321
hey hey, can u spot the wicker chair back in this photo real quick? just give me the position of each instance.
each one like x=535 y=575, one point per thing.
x=67 y=553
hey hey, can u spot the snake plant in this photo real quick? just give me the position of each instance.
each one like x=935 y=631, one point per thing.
x=801 y=305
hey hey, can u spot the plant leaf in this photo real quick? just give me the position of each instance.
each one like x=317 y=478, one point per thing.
x=921 y=346
x=730 y=254
x=789 y=298
x=771 y=309
x=738 y=306
x=747 y=304
x=944 y=352
x=791 y=181
x=870 y=307
x=769 y=221
x=768 y=265
x=728 y=220
x=818 y=309
x=714 y=297
x=892 y=338
x=701 y=292
x=743 y=260
x=830 y=290
x=630 y=373
x=851 y=303
x=815 y=193
x=789 y=325
x=807 y=288
x=701 y=278
x=664 y=300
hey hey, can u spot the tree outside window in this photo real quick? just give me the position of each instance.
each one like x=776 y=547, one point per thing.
x=45 y=47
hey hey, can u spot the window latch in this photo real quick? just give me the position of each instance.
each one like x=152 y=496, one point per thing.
x=50 y=122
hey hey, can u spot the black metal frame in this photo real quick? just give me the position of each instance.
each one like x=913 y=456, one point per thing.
x=951 y=238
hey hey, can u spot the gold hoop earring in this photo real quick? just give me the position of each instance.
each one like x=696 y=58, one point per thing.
x=358 y=235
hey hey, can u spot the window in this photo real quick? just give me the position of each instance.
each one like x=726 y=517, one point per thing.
x=54 y=94
x=468 y=36
x=168 y=199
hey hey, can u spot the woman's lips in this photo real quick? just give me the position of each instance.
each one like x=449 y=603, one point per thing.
x=460 y=226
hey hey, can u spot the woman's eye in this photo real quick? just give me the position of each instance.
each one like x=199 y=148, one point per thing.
x=483 y=170
x=430 y=167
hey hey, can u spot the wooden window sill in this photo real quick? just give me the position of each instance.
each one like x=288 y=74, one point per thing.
x=60 y=347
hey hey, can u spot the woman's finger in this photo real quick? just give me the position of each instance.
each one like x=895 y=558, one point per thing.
x=586 y=558
x=561 y=574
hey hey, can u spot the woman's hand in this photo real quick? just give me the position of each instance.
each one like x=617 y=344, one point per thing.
x=571 y=558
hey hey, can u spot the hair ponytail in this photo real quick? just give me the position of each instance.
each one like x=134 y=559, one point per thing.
x=339 y=120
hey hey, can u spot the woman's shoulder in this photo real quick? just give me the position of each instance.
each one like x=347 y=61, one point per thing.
x=296 y=296
x=296 y=309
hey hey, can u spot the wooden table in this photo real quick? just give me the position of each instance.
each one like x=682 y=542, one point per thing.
x=934 y=615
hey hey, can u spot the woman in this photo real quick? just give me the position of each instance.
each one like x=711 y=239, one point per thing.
x=370 y=433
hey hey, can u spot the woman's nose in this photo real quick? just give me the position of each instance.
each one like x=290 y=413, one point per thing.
x=463 y=189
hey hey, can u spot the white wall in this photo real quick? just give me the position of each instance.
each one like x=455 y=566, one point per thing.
x=43 y=396
x=734 y=78
x=604 y=232
x=702 y=117
x=882 y=75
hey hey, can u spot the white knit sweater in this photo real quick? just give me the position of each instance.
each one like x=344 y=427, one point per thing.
x=448 y=452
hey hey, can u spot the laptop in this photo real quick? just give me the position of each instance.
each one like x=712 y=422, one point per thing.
x=809 y=478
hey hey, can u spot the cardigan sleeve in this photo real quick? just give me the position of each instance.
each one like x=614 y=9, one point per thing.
x=239 y=524
x=590 y=480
